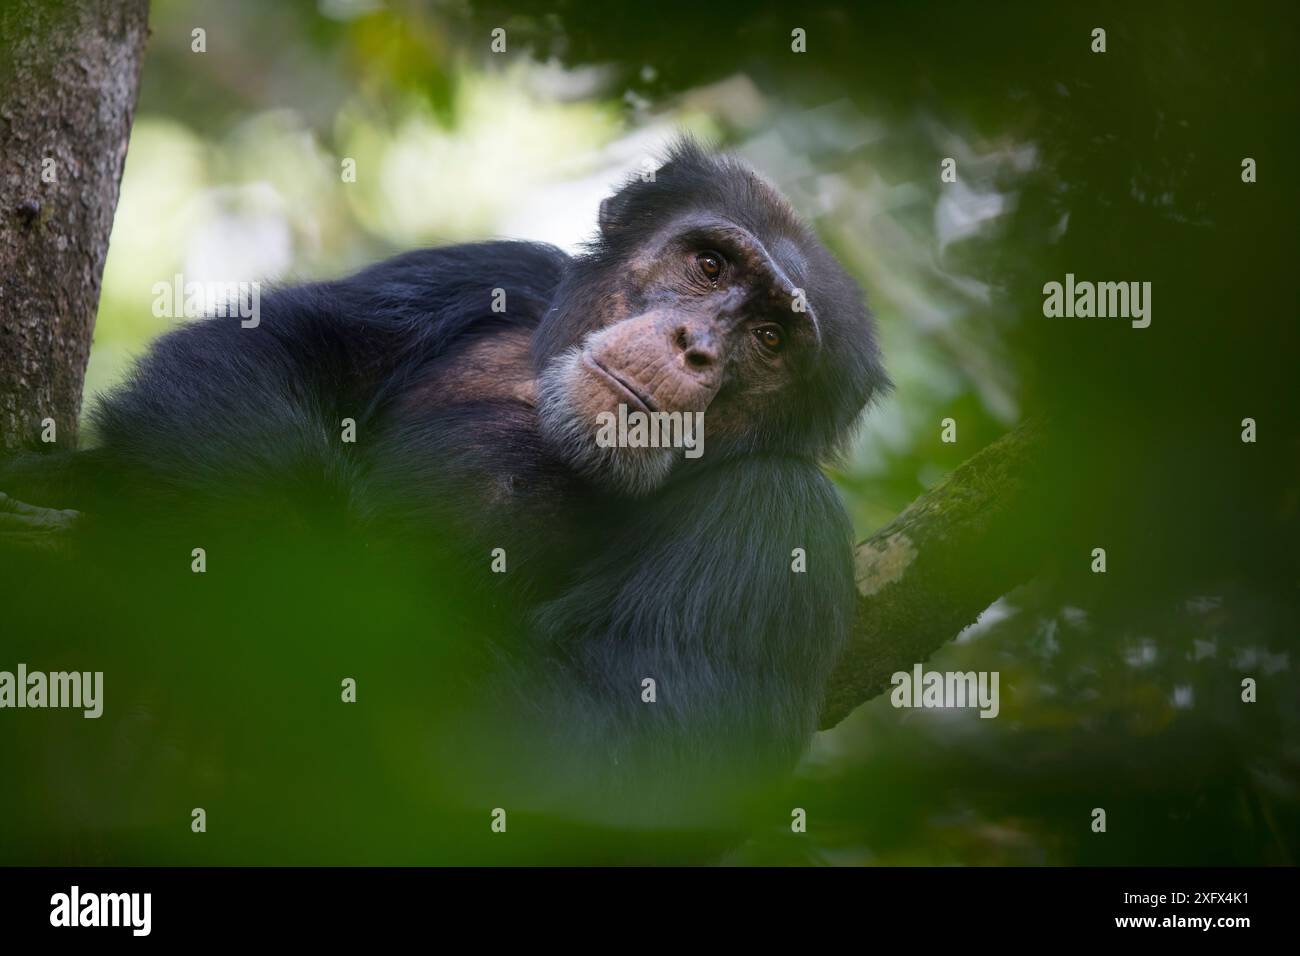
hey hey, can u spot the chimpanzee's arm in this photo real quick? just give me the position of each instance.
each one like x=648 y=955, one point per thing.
x=217 y=412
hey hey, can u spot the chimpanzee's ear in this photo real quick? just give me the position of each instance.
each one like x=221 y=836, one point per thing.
x=606 y=218
x=617 y=210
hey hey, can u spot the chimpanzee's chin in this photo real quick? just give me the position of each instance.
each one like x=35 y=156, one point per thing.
x=567 y=408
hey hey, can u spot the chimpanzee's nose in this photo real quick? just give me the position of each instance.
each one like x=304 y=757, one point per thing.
x=698 y=344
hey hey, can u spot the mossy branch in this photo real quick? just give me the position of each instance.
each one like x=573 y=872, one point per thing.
x=934 y=568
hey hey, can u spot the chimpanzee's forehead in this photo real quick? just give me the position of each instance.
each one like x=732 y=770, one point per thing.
x=789 y=254
x=695 y=188
x=749 y=202
x=781 y=253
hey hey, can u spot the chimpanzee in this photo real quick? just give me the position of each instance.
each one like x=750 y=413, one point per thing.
x=666 y=622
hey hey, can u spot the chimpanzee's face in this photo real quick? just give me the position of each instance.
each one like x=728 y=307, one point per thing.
x=704 y=317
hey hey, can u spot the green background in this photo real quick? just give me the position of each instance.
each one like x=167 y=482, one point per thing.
x=1119 y=691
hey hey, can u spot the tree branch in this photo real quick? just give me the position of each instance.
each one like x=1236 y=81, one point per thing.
x=934 y=568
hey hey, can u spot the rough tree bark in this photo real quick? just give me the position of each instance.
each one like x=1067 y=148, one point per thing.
x=69 y=75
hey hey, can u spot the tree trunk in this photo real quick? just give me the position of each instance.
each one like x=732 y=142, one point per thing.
x=69 y=75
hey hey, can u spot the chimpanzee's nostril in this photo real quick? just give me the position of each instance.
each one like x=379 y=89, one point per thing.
x=699 y=358
x=696 y=346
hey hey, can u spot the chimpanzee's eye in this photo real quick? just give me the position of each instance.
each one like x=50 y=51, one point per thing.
x=770 y=337
x=710 y=264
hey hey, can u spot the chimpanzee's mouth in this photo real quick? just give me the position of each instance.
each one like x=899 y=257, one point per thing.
x=621 y=386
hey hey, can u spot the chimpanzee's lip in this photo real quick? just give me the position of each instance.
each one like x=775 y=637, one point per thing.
x=642 y=402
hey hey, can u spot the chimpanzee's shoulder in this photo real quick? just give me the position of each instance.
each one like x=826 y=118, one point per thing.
x=507 y=260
